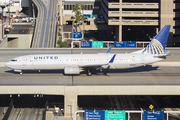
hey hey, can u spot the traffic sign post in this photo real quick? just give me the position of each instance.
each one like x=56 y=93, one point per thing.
x=151 y=106
x=153 y=115
x=76 y=35
x=97 y=44
x=94 y=115
x=86 y=44
x=115 y=115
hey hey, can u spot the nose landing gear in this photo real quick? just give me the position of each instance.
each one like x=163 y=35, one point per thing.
x=89 y=72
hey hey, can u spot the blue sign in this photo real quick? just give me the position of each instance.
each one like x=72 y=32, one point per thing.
x=87 y=16
x=86 y=44
x=131 y=44
x=77 y=35
x=94 y=115
x=153 y=115
x=119 y=44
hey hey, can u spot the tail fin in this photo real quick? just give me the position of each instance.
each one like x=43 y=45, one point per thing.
x=158 y=44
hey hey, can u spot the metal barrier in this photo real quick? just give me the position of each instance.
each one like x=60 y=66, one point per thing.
x=130 y=111
x=108 y=43
x=142 y=44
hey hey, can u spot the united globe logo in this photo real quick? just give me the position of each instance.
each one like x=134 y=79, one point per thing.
x=155 y=47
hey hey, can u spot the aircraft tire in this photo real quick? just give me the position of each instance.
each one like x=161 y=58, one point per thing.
x=89 y=73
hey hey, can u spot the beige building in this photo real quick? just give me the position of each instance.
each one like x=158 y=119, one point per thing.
x=134 y=18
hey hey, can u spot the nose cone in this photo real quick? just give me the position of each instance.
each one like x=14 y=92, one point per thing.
x=7 y=64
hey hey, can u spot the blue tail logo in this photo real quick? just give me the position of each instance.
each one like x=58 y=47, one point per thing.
x=158 y=44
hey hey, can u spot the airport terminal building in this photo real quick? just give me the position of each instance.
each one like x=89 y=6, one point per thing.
x=131 y=20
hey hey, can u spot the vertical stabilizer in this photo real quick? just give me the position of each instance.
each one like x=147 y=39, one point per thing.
x=158 y=44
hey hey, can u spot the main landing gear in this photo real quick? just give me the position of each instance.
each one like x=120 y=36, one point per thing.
x=89 y=72
x=21 y=73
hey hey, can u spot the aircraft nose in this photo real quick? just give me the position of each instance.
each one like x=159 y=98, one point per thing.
x=7 y=64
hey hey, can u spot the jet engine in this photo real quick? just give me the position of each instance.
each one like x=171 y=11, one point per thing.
x=71 y=70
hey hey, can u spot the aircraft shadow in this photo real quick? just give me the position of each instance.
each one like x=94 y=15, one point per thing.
x=129 y=70
x=96 y=72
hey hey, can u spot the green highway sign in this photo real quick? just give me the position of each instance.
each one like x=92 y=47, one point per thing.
x=115 y=115
x=97 y=44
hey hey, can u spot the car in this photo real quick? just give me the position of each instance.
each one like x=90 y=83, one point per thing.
x=32 y=19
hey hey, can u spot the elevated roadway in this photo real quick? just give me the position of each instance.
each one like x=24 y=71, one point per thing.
x=45 y=30
x=161 y=78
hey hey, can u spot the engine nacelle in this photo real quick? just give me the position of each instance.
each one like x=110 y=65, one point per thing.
x=71 y=70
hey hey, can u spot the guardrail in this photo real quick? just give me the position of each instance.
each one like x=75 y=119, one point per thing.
x=129 y=112
x=109 y=43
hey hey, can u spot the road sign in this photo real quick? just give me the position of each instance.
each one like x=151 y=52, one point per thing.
x=151 y=106
x=86 y=44
x=97 y=44
x=119 y=44
x=77 y=35
x=115 y=115
x=153 y=115
x=94 y=115
x=87 y=16
x=131 y=44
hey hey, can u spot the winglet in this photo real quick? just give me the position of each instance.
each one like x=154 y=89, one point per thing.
x=109 y=50
x=112 y=59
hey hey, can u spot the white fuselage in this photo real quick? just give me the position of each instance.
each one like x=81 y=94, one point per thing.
x=59 y=61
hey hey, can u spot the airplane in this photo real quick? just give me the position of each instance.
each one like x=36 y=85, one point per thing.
x=76 y=63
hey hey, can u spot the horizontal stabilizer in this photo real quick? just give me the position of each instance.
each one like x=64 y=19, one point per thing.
x=162 y=55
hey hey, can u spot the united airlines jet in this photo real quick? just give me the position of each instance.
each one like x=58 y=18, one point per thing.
x=76 y=63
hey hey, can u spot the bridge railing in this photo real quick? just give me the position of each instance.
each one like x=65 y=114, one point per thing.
x=108 y=44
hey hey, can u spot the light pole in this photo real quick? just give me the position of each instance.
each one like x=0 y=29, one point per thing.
x=2 y=22
x=9 y=11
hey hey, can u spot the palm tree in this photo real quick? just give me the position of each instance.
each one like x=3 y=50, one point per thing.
x=78 y=15
x=83 y=18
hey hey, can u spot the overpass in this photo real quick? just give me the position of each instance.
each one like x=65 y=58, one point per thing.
x=72 y=92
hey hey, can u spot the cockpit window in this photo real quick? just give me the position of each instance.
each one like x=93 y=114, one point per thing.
x=13 y=60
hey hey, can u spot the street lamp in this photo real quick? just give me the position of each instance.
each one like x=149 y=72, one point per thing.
x=2 y=22
x=9 y=10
